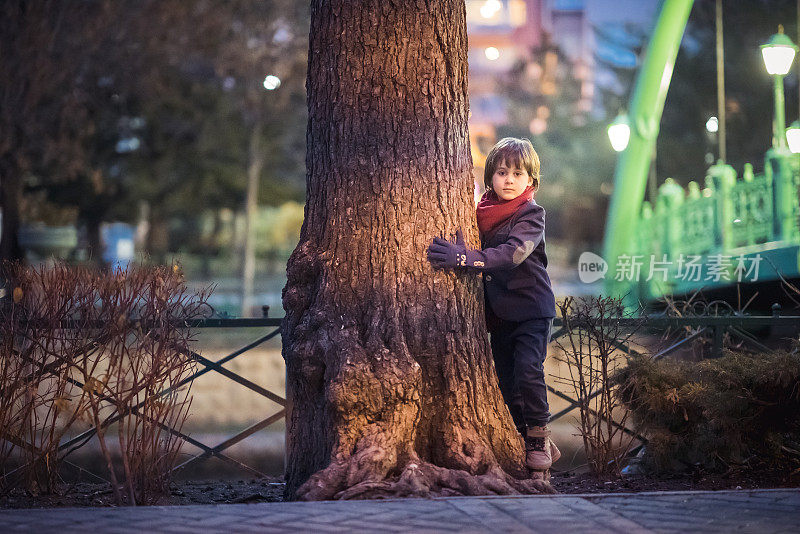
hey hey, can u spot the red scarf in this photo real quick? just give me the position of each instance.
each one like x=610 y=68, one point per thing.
x=492 y=212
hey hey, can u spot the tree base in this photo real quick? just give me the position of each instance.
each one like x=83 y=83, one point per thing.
x=420 y=480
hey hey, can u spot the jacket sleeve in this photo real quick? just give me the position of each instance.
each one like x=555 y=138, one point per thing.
x=524 y=237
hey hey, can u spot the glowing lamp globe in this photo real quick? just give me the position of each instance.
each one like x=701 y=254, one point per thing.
x=778 y=53
x=619 y=133
x=272 y=82
x=793 y=137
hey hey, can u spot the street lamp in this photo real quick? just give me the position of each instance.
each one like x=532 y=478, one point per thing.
x=271 y=82
x=778 y=55
x=619 y=132
x=793 y=137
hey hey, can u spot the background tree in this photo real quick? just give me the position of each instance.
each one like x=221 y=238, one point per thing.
x=577 y=164
x=388 y=363
x=113 y=105
x=37 y=133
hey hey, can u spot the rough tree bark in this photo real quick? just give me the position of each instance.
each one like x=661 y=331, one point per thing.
x=388 y=364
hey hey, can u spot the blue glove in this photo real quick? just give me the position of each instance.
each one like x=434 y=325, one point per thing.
x=443 y=253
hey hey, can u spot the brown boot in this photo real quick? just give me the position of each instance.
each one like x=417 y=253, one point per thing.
x=540 y=451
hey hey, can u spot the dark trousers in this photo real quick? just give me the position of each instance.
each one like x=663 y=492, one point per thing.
x=519 y=350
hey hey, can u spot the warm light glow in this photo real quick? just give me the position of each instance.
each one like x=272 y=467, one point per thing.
x=619 y=133
x=271 y=82
x=490 y=8
x=778 y=59
x=492 y=53
x=538 y=126
x=793 y=137
x=712 y=125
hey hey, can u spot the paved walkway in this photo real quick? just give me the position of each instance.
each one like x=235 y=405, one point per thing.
x=758 y=511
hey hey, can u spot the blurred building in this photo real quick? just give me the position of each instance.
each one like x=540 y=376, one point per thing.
x=541 y=37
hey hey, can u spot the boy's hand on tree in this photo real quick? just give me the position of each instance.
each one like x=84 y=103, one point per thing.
x=443 y=253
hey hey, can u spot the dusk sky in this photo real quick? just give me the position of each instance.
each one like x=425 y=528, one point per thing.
x=638 y=11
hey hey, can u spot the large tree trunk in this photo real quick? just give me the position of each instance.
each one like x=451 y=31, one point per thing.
x=388 y=364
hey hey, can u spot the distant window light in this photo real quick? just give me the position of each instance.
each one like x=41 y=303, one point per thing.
x=543 y=112
x=517 y=12
x=490 y=8
x=282 y=34
x=129 y=144
x=538 y=126
x=496 y=13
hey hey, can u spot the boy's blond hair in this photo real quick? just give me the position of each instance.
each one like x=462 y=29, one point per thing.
x=514 y=152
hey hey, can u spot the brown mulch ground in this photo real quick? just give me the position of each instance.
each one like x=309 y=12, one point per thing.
x=572 y=483
x=271 y=489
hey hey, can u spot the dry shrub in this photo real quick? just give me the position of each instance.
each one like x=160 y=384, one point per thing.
x=741 y=410
x=37 y=404
x=111 y=347
x=590 y=348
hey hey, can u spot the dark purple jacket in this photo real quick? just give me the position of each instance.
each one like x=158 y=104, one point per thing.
x=514 y=264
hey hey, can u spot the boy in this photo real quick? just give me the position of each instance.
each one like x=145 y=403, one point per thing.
x=520 y=305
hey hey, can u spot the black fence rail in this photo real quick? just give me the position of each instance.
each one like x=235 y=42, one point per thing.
x=712 y=327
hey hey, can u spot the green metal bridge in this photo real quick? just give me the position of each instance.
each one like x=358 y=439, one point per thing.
x=732 y=230
x=725 y=231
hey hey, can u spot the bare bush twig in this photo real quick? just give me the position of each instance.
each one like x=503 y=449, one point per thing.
x=80 y=344
x=592 y=349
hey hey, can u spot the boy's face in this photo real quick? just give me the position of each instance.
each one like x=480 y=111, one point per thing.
x=509 y=182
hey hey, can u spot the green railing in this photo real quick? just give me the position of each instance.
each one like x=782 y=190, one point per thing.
x=734 y=222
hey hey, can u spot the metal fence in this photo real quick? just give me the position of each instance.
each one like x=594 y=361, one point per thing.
x=712 y=327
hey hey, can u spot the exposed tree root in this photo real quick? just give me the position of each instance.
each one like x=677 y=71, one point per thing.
x=418 y=479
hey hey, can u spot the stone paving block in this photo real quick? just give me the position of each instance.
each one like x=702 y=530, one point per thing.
x=606 y=518
x=366 y=525
x=487 y=514
x=704 y=511
x=759 y=512
x=549 y=515
x=263 y=529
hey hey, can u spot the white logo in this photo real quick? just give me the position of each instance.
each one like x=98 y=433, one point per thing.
x=591 y=267
x=686 y=268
